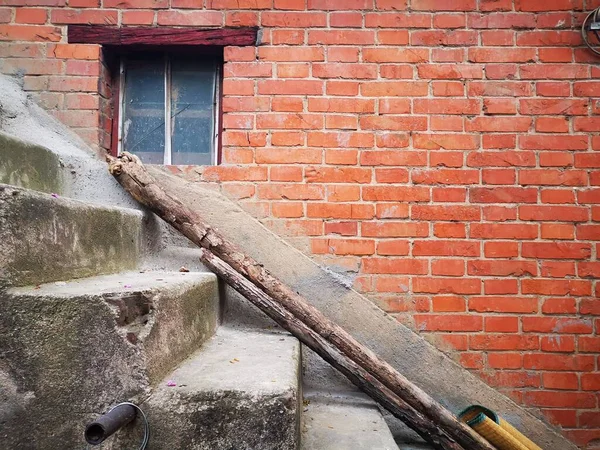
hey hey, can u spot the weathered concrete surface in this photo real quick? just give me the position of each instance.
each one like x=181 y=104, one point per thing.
x=70 y=351
x=84 y=173
x=30 y=166
x=45 y=239
x=343 y=422
x=239 y=392
x=419 y=361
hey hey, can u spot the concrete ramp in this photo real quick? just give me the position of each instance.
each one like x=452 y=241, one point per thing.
x=450 y=384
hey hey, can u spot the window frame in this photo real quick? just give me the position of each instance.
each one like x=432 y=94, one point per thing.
x=118 y=40
x=118 y=106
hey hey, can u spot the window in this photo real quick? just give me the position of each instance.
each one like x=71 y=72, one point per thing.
x=169 y=108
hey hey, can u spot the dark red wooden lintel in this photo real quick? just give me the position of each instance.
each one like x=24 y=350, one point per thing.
x=158 y=36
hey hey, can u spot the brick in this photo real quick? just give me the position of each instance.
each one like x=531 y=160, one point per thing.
x=30 y=15
x=500 y=249
x=397 y=193
x=394 y=106
x=554 y=213
x=395 y=55
x=395 y=175
x=342 y=54
x=447 y=322
x=394 y=123
x=557 y=231
x=505 y=360
x=318 y=174
x=391 y=210
x=446 y=159
x=291 y=54
x=497 y=287
x=287 y=209
x=510 y=304
x=502 y=21
x=551 y=5
x=558 y=269
x=343 y=193
x=274 y=191
x=498 y=176
x=345 y=20
x=500 y=124
x=552 y=125
x=293 y=19
x=556 y=287
x=445 y=213
x=293 y=70
x=556 y=325
x=84 y=16
x=394 y=266
x=393 y=37
x=497 y=37
x=137 y=17
x=341 y=228
x=571 y=107
x=558 y=344
x=502 y=268
x=289 y=121
x=446 y=141
x=503 y=342
x=351 y=246
x=270 y=155
x=553 y=89
x=449 y=71
x=450 y=268
x=553 y=71
x=394 y=247
x=447 y=286
x=290 y=87
x=504 y=55
x=392 y=158
x=501 y=324
x=397 y=20
x=503 y=195
x=241 y=19
x=501 y=159
x=445 y=248
x=342 y=37
x=434 y=38
x=559 y=399
x=29 y=33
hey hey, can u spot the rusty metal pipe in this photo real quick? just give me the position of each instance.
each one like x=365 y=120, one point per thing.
x=108 y=424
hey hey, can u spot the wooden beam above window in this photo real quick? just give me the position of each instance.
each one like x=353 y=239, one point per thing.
x=158 y=36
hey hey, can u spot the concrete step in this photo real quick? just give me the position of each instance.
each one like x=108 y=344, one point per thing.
x=30 y=166
x=240 y=391
x=70 y=350
x=343 y=421
x=46 y=238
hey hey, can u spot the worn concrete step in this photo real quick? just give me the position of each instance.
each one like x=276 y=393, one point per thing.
x=343 y=421
x=70 y=350
x=240 y=391
x=30 y=166
x=46 y=238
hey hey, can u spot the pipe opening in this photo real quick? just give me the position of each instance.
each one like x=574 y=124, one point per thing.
x=94 y=433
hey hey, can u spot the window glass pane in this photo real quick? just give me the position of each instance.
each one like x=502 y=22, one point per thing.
x=144 y=109
x=192 y=111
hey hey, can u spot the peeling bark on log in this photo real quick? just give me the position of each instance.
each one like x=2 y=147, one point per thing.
x=360 y=377
x=132 y=175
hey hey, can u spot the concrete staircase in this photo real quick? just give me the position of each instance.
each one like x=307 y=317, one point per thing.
x=94 y=310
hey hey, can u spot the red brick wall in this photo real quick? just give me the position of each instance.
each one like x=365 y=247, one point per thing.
x=445 y=152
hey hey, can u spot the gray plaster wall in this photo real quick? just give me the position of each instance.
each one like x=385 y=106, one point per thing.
x=415 y=358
